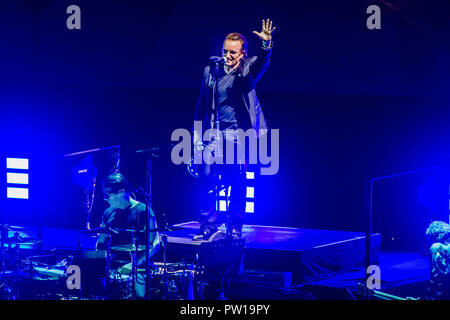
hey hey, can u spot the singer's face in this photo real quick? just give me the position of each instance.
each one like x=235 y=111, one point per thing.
x=232 y=50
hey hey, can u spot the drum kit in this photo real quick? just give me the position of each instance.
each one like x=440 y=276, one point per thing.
x=27 y=275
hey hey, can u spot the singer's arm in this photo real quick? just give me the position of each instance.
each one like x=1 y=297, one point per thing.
x=260 y=63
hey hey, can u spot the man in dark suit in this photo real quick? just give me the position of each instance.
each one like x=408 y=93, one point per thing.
x=236 y=106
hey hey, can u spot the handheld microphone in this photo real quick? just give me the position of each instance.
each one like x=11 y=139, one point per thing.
x=218 y=59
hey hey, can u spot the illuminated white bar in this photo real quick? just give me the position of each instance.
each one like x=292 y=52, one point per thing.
x=223 y=205
x=17 y=163
x=17 y=178
x=17 y=193
x=250 y=192
x=250 y=207
x=250 y=175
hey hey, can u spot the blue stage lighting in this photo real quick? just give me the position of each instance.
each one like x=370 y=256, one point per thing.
x=250 y=194
x=17 y=178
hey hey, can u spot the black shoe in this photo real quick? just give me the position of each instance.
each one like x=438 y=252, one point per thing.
x=198 y=237
x=218 y=235
x=237 y=233
x=206 y=232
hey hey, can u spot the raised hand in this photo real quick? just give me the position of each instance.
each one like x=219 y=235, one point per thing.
x=267 y=30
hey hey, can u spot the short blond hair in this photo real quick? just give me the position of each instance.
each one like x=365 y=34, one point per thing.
x=234 y=36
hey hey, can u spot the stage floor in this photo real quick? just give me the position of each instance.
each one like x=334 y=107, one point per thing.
x=256 y=236
x=272 y=237
x=308 y=254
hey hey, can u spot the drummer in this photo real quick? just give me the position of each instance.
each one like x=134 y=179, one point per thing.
x=126 y=213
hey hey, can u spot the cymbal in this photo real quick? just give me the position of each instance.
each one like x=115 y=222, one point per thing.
x=14 y=275
x=109 y=229
x=40 y=257
x=19 y=240
x=159 y=229
x=119 y=230
x=96 y=230
x=127 y=230
x=11 y=228
x=127 y=268
x=128 y=248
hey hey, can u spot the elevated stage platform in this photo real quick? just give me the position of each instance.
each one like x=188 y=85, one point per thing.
x=322 y=264
x=309 y=254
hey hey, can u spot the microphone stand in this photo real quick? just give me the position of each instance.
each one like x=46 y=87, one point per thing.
x=3 y=236
x=148 y=203
x=134 y=255
x=166 y=293
x=106 y=285
x=149 y=153
x=216 y=124
x=215 y=94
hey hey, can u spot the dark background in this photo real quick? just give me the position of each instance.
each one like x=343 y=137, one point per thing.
x=350 y=103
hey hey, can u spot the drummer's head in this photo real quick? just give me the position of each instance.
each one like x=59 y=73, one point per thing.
x=116 y=191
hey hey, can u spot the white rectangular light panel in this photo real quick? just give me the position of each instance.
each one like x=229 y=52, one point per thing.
x=17 y=193
x=17 y=163
x=250 y=192
x=17 y=178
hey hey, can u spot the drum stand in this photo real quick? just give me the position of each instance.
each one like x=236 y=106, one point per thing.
x=106 y=285
x=3 y=236
x=165 y=294
x=148 y=204
x=134 y=255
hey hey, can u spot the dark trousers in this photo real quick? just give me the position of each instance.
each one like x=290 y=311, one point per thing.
x=231 y=175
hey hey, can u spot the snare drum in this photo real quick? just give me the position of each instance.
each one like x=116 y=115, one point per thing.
x=178 y=283
x=121 y=287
